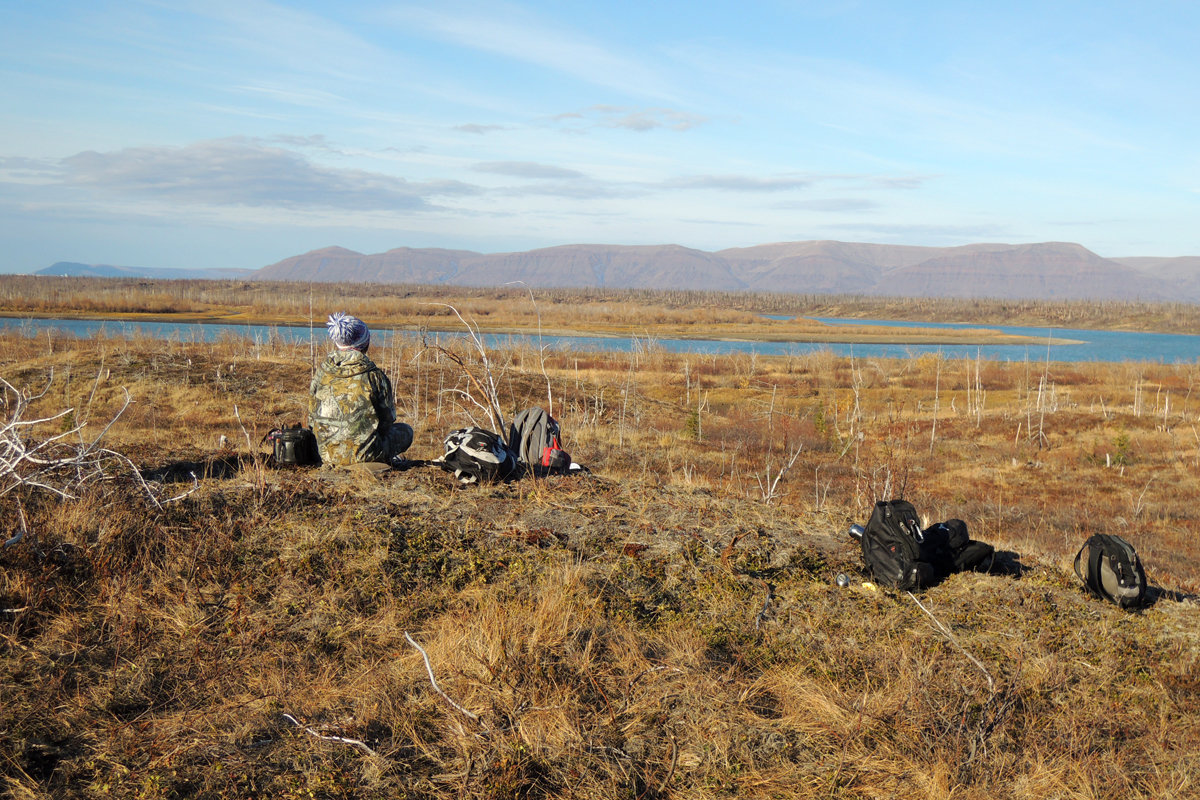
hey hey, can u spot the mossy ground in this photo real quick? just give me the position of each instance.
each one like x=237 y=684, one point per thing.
x=659 y=628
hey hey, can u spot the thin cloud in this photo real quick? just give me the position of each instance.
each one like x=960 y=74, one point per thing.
x=19 y=168
x=728 y=223
x=832 y=205
x=527 y=169
x=515 y=34
x=239 y=172
x=318 y=141
x=794 y=182
x=738 y=183
x=968 y=233
x=287 y=37
x=582 y=189
x=567 y=183
x=654 y=118
x=479 y=129
x=908 y=182
x=1087 y=223
x=639 y=120
x=307 y=98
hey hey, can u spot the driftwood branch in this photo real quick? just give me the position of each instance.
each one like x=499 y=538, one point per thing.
x=765 y=612
x=59 y=464
x=946 y=632
x=433 y=681
x=342 y=739
x=20 y=534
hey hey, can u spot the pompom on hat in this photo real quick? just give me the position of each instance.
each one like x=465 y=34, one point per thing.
x=348 y=332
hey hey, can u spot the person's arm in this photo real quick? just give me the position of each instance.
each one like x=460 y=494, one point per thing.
x=312 y=397
x=383 y=399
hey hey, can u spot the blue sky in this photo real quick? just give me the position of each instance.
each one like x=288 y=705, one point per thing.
x=236 y=134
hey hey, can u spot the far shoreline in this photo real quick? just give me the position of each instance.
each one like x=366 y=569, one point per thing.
x=810 y=331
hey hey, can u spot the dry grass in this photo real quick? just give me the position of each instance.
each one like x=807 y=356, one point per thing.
x=624 y=312
x=654 y=630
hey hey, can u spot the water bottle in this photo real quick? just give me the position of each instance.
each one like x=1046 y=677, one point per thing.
x=857 y=531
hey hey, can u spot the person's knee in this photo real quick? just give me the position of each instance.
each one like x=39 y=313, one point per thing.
x=400 y=438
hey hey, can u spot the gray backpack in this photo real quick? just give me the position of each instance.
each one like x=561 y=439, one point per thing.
x=1111 y=570
x=534 y=438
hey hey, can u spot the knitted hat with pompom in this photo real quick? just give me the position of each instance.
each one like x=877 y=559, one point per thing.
x=347 y=332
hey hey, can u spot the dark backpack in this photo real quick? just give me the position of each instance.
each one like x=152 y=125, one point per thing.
x=534 y=437
x=294 y=447
x=949 y=547
x=476 y=455
x=901 y=555
x=891 y=546
x=1111 y=570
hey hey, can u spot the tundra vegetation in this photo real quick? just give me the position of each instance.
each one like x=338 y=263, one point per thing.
x=186 y=620
x=659 y=313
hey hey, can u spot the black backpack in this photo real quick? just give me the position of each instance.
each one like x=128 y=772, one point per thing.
x=534 y=437
x=294 y=447
x=1111 y=570
x=476 y=455
x=891 y=546
x=949 y=547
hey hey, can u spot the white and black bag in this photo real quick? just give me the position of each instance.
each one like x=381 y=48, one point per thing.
x=476 y=455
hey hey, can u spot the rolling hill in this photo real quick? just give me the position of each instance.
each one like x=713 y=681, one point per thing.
x=1050 y=270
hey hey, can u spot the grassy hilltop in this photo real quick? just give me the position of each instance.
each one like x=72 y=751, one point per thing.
x=666 y=627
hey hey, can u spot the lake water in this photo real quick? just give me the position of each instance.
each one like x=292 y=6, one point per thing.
x=1093 y=346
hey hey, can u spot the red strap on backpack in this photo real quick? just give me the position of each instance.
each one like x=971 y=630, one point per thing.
x=548 y=452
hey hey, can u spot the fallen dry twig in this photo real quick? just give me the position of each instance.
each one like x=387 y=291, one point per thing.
x=433 y=681
x=946 y=632
x=353 y=742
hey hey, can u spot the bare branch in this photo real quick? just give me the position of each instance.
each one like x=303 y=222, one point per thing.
x=769 y=486
x=354 y=742
x=462 y=393
x=946 y=632
x=765 y=611
x=53 y=464
x=433 y=681
x=485 y=382
x=19 y=535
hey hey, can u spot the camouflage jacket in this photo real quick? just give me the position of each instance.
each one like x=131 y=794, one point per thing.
x=351 y=408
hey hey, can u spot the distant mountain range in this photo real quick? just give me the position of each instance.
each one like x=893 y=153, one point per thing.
x=72 y=268
x=1050 y=270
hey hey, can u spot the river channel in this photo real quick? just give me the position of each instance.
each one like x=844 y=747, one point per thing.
x=1087 y=345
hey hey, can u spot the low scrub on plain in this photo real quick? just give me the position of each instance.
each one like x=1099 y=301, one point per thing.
x=194 y=622
x=641 y=312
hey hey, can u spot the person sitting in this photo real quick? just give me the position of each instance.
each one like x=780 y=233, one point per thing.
x=351 y=408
